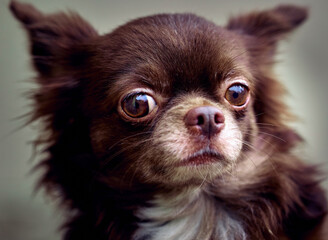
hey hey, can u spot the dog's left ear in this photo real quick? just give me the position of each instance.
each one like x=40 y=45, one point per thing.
x=59 y=52
x=53 y=37
x=270 y=25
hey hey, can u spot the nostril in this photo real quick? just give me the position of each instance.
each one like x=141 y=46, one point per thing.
x=200 y=120
x=218 y=118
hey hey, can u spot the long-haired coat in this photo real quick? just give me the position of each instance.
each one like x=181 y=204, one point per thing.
x=171 y=127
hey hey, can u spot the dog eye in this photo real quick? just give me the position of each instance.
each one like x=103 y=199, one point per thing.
x=138 y=105
x=237 y=95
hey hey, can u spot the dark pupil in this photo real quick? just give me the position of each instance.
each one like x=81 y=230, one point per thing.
x=236 y=91
x=136 y=105
x=235 y=95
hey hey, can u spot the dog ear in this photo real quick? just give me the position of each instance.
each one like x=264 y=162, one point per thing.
x=261 y=32
x=52 y=37
x=270 y=25
x=59 y=45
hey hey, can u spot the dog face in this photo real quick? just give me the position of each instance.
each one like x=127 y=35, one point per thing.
x=167 y=99
x=180 y=101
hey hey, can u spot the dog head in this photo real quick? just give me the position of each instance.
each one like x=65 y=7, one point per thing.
x=167 y=99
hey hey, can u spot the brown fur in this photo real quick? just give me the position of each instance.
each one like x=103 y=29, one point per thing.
x=110 y=168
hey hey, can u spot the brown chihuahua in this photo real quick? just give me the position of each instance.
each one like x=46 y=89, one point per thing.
x=171 y=127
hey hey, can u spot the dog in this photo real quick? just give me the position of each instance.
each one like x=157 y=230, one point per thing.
x=171 y=127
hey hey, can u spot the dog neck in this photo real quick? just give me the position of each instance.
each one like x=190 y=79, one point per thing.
x=171 y=217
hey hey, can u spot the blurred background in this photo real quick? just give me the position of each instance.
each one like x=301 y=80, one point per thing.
x=302 y=66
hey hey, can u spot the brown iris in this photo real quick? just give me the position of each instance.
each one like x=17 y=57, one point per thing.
x=138 y=105
x=237 y=95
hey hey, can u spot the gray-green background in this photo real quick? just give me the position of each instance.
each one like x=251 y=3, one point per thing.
x=302 y=66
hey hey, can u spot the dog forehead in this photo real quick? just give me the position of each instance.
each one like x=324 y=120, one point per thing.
x=181 y=51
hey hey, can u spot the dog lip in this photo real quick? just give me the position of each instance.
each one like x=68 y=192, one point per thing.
x=201 y=157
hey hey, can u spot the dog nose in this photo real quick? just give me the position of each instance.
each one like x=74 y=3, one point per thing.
x=205 y=120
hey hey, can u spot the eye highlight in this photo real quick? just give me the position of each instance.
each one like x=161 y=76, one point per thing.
x=237 y=95
x=138 y=105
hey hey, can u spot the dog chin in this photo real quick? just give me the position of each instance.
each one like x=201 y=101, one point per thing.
x=197 y=169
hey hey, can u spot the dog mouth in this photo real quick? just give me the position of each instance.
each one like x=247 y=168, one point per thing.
x=201 y=157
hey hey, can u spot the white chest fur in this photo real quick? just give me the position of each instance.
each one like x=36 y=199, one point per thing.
x=190 y=215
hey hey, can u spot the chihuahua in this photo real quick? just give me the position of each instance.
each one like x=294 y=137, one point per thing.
x=171 y=127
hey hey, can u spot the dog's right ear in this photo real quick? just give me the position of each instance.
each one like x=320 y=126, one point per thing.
x=52 y=37
x=270 y=25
